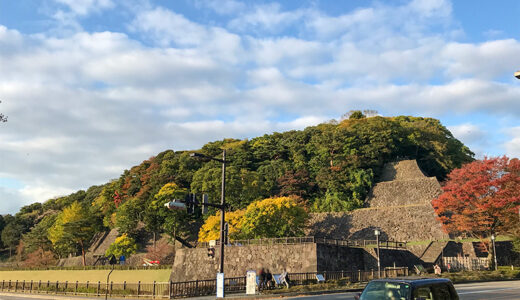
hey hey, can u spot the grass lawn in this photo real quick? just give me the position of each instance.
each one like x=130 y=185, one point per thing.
x=119 y=276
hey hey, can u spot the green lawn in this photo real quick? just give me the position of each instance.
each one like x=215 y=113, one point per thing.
x=119 y=276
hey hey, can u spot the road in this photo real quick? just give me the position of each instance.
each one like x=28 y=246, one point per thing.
x=509 y=290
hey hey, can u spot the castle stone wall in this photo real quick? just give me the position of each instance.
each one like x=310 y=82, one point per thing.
x=399 y=205
x=194 y=263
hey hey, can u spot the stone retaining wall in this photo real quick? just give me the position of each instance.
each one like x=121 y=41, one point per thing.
x=194 y=263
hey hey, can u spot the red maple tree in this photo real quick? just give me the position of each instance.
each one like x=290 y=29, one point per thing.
x=481 y=198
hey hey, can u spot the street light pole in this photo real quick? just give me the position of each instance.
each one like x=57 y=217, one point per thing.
x=223 y=210
x=377 y=233
x=222 y=207
x=494 y=251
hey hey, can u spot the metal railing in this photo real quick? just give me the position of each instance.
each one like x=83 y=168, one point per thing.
x=311 y=240
x=171 y=290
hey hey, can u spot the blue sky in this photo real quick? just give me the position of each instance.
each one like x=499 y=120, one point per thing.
x=93 y=87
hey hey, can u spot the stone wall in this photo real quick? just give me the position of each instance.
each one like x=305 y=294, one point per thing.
x=400 y=206
x=389 y=258
x=401 y=170
x=405 y=192
x=194 y=263
x=410 y=223
x=339 y=258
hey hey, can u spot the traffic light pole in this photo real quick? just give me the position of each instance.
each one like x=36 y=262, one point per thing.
x=222 y=205
x=222 y=210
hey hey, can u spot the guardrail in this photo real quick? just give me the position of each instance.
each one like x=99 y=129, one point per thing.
x=312 y=240
x=171 y=290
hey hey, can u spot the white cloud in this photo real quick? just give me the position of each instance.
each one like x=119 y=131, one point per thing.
x=513 y=145
x=266 y=17
x=486 y=60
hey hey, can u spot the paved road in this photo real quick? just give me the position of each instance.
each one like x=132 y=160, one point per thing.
x=509 y=290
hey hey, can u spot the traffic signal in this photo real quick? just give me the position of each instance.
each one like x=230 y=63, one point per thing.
x=190 y=200
x=190 y=203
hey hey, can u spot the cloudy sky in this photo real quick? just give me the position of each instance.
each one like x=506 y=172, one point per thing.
x=93 y=87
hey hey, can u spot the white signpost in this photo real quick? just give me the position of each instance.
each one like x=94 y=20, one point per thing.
x=220 y=285
x=251 y=283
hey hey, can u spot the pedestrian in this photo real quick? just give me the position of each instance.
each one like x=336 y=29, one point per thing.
x=261 y=278
x=284 y=278
x=268 y=278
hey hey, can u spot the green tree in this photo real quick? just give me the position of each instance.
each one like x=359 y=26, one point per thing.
x=11 y=235
x=36 y=239
x=72 y=230
x=123 y=245
x=128 y=216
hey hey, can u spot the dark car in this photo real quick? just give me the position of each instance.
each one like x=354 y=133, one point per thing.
x=409 y=289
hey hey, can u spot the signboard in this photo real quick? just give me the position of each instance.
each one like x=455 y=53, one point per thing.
x=220 y=285
x=251 y=283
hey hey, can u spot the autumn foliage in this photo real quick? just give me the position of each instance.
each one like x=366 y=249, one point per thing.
x=268 y=218
x=210 y=230
x=481 y=198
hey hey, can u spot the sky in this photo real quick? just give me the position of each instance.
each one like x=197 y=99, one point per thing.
x=94 y=87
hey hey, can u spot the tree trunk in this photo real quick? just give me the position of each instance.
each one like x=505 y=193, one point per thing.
x=154 y=240
x=83 y=260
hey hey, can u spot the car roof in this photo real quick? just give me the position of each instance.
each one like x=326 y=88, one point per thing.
x=415 y=281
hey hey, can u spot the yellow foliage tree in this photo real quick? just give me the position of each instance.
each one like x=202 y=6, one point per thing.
x=268 y=218
x=71 y=229
x=274 y=217
x=210 y=230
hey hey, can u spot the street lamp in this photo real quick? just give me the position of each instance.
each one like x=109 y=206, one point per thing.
x=494 y=250
x=517 y=74
x=222 y=205
x=378 y=233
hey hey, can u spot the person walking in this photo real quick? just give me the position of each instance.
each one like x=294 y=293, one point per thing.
x=284 y=278
x=261 y=279
x=268 y=279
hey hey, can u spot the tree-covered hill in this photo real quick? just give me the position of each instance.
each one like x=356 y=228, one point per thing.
x=331 y=167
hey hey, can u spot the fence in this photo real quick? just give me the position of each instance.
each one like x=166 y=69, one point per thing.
x=145 y=290
x=466 y=263
x=312 y=240
x=179 y=289
x=98 y=267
